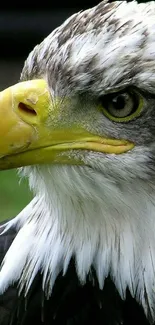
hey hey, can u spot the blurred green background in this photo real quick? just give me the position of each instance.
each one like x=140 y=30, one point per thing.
x=14 y=194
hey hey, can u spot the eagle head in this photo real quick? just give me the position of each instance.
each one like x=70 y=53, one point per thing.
x=80 y=124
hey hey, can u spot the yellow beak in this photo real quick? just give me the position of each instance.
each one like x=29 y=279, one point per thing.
x=26 y=134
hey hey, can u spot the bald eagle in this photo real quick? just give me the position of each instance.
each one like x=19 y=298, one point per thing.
x=80 y=125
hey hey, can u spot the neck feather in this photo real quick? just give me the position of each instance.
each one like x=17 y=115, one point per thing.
x=103 y=224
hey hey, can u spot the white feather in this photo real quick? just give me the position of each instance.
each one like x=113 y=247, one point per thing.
x=82 y=213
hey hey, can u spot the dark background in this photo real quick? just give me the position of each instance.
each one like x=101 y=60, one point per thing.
x=23 y=24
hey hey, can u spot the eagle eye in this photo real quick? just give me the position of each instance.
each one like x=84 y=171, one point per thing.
x=122 y=106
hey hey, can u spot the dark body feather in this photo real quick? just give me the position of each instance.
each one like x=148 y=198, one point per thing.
x=70 y=304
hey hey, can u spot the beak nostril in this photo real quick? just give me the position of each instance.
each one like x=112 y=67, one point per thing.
x=26 y=109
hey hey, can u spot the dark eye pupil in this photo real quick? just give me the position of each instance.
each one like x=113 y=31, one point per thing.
x=119 y=102
x=120 y=105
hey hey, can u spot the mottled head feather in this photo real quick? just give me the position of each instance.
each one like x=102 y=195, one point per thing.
x=103 y=48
